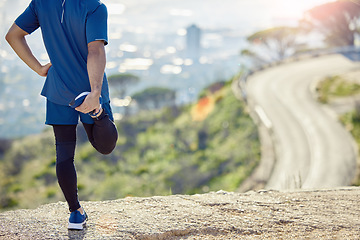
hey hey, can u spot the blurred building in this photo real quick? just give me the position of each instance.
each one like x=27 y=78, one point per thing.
x=193 y=39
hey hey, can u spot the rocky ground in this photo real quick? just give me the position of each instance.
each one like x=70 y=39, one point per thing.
x=316 y=214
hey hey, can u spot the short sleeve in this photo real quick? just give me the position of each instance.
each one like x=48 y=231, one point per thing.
x=96 y=25
x=28 y=20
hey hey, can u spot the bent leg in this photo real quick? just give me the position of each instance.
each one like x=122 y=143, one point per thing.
x=65 y=137
x=102 y=134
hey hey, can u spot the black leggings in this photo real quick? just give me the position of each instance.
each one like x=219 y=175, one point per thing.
x=102 y=135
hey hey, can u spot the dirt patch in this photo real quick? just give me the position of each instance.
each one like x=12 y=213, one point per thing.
x=318 y=214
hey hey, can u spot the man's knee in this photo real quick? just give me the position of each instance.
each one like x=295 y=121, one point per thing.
x=106 y=151
x=65 y=152
x=105 y=138
x=106 y=147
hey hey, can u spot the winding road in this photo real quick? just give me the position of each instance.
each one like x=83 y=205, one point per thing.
x=312 y=149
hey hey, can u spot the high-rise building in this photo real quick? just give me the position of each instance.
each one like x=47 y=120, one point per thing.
x=193 y=38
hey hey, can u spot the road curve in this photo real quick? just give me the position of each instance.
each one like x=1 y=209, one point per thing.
x=313 y=150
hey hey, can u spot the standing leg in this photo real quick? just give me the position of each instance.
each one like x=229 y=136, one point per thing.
x=65 y=137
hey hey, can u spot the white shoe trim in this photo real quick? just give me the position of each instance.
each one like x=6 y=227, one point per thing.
x=81 y=94
x=78 y=226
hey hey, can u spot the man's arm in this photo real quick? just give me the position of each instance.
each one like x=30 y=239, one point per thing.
x=16 y=38
x=96 y=62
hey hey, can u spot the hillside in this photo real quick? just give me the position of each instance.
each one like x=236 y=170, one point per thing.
x=317 y=214
x=205 y=146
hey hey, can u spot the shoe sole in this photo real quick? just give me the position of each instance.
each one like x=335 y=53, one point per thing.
x=76 y=226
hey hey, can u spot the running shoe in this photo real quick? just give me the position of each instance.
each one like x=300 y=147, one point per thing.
x=80 y=99
x=77 y=220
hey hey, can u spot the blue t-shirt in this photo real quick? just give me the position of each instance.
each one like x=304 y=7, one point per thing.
x=67 y=27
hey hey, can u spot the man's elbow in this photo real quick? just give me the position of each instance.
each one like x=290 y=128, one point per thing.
x=14 y=34
x=9 y=37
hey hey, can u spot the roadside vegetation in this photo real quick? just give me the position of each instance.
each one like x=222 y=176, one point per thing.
x=351 y=121
x=335 y=87
x=205 y=146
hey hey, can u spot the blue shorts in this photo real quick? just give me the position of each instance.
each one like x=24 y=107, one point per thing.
x=65 y=115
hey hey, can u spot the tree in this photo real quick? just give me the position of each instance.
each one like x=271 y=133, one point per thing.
x=155 y=97
x=338 y=21
x=278 y=43
x=120 y=83
x=254 y=57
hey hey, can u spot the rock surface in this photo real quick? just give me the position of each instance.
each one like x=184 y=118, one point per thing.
x=302 y=214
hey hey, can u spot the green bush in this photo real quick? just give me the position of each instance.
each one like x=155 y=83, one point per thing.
x=336 y=86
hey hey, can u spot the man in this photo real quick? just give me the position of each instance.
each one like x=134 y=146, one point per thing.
x=74 y=33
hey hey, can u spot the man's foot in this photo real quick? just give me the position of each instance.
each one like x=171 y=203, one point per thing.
x=77 y=220
x=80 y=99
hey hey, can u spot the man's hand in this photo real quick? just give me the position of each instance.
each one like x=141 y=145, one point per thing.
x=90 y=103
x=44 y=69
